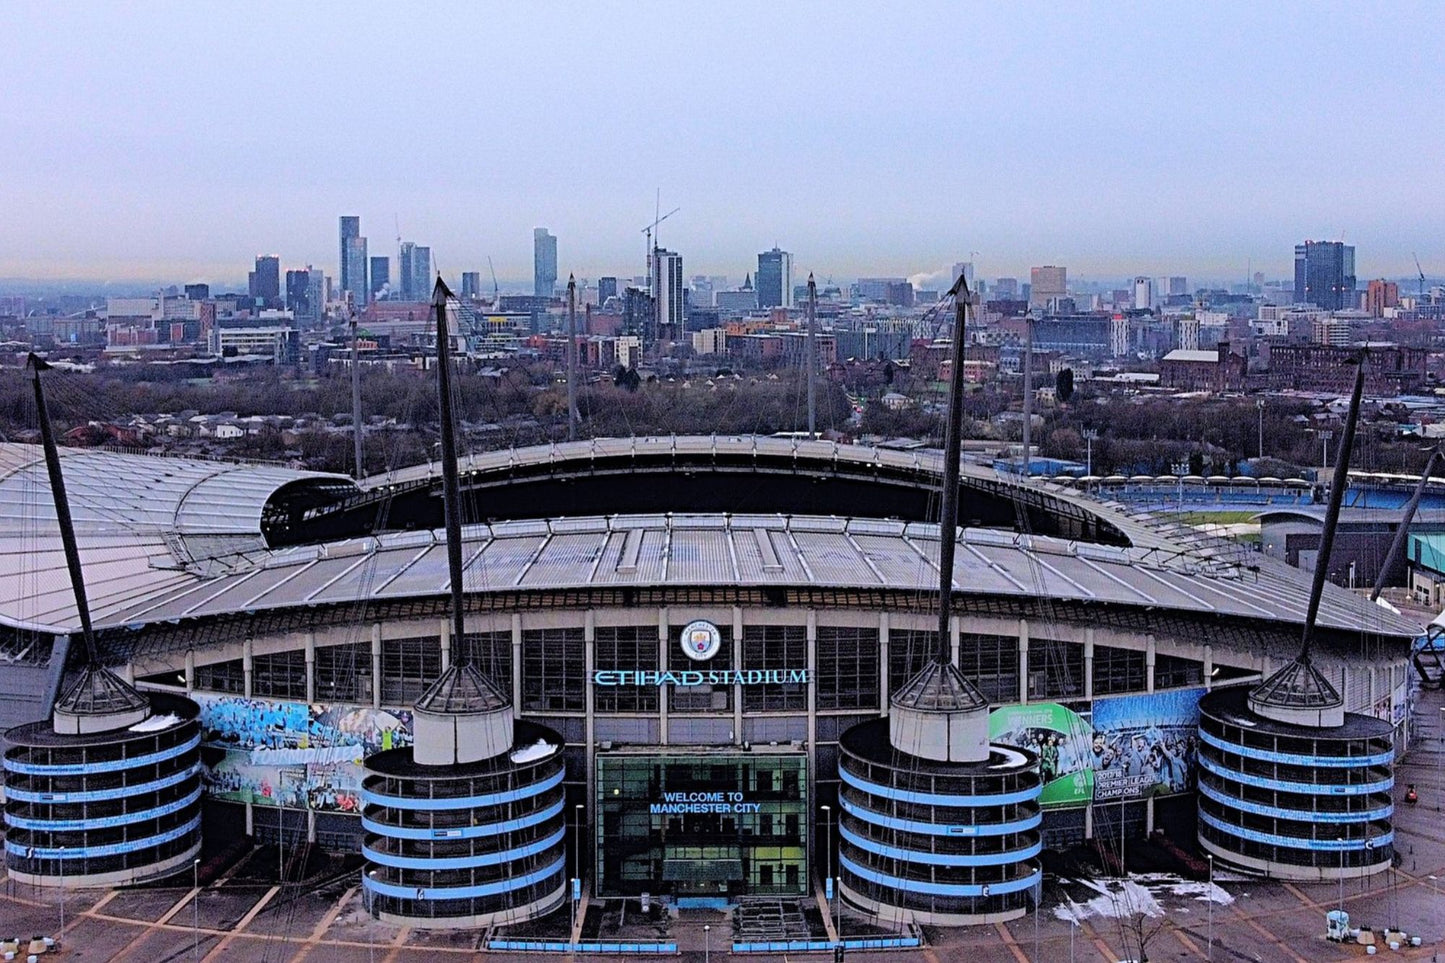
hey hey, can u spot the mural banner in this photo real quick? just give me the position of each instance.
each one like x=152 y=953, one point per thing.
x=1060 y=737
x=1145 y=745
x=271 y=753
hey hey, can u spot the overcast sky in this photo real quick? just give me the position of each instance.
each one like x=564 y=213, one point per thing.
x=176 y=141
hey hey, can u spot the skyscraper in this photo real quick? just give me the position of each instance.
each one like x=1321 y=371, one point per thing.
x=414 y=272
x=1324 y=274
x=667 y=292
x=471 y=284
x=298 y=294
x=265 y=281
x=774 y=280
x=380 y=276
x=544 y=263
x=606 y=288
x=1047 y=283
x=353 y=260
x=1143 y=293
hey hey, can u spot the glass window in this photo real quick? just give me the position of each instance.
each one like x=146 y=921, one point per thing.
x=992 y=663
x=775 y=647
x=1171 y=672
x=847 y=667
x=280 y=675
x=554 y=670
x=1117 y=670
x=491 y=653
x=222 y=677
x=343 y=673
x=632 y=648
x=408 y=667
x=909 y=650
x=1056 y=669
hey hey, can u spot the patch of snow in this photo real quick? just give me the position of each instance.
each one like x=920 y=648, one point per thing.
x=156 y=723
x=540 y=749
x=1138 y=895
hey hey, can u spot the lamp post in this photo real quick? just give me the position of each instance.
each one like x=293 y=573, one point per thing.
x=370 y=916
x=196 y=909
x=706 y=943
x=1089 y=435
x=1073 y=925
x=1210 y=952
x=1440 y=762
x=828 y=853
x=1261 y=427
x=577 y=842
x=60 y=935
x=1341 y=841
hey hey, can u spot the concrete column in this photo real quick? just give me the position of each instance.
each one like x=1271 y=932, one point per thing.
x=883 y=658
x=589 y=661
x=1208 y=667
x=954 y=642
x=737 y=664
x=1023 y=660
x=248 y=667
x=517 y=661
x=309 y=641
x=662 y=690
x=1149 y=654
x=1088 y=694
x=1148 y=815
x=1089 y=821
x=311 y=825
x=445 y=638
x=190 y=671
x=376 y=665
x=812 y=633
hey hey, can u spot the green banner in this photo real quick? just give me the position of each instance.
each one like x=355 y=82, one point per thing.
x=1061 y=739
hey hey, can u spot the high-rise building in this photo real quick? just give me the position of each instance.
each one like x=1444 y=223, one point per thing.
x=544 y=263
x=414 y=272
x=1005 y=289
x=606 y=288
x=471 y=284
x=1143 y=293
x=1047 y=284
x=1379 y=295
x=198 y=292
x=380 y=277
x=298 y=294
x=1177 y=286
x=964 y=269
x=265 y=281
x=353 y=260
x=774 y=280
x=316 y=290
x=1324 y=274
x=667 y=293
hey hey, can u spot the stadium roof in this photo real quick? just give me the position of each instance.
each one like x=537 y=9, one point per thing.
x=139 y=573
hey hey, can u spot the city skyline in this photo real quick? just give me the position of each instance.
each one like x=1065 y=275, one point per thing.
x=1084 y=136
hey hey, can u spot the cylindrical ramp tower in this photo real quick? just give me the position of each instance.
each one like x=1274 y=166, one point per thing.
x=938 y=826
x=107 y=792
x=466 y=829
x=1290 y=785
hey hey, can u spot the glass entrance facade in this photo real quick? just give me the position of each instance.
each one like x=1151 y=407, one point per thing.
x=702 y=822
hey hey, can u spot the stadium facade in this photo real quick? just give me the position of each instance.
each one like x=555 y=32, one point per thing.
x=711 y=632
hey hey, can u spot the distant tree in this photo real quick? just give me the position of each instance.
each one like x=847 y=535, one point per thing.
x=1064 y=385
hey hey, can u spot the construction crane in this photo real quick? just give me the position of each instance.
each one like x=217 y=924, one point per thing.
x=496 y=291
x=1420 y=271
x=652 y=227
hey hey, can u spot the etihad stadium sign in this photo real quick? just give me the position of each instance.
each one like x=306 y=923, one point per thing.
x=688 y=677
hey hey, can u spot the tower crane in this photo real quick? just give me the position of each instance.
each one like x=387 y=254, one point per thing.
x=1420 y=271
x=496 y=291
x=648 y=230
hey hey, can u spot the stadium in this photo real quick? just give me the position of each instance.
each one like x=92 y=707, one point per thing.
x=712 y=630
